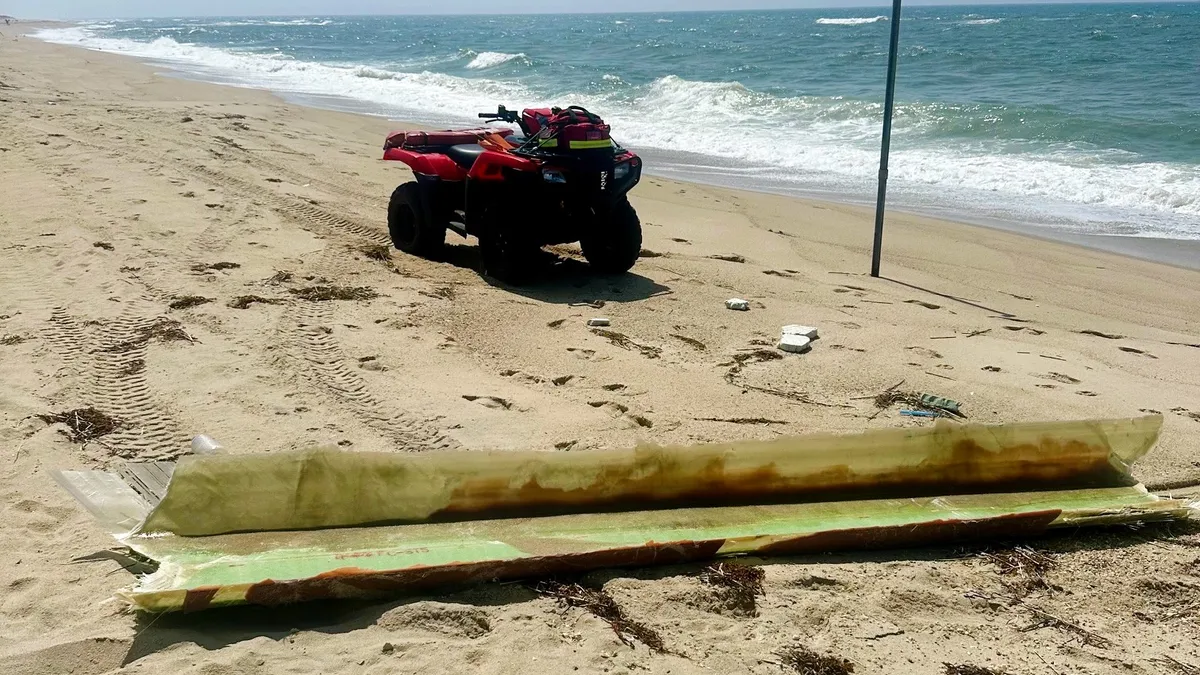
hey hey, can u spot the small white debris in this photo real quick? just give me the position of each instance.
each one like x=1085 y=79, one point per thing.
x=806 y=331
x=796 y=344
x=599 y=321
x=738 y=304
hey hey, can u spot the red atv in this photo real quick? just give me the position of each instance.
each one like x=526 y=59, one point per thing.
x=565 y=180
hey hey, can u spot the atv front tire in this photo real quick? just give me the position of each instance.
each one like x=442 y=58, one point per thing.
x=615 y=240
x=506 y=257
x=410 y=224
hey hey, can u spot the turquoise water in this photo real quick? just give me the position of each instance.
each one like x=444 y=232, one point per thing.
x=1081 y=118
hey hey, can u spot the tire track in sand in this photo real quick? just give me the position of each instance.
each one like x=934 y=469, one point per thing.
x=310 y=346
x=308 y=341
x=108 y=359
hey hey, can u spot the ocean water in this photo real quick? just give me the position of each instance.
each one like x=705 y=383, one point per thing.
x=1078 y=118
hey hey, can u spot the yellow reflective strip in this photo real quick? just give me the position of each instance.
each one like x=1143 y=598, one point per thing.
x=549 y=143
x=590 y=145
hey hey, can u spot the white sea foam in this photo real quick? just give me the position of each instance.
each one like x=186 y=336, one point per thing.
x=486 y=60
x=981 y=22
x=831 y=143
x=853 y=21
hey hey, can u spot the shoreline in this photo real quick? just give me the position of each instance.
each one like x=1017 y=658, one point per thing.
x=1181 y=253
x=132 y=201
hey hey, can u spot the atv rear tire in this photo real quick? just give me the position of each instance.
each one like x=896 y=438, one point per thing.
x=410 y=225
x=615 y=241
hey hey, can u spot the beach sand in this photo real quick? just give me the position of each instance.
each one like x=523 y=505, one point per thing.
x=122 y=191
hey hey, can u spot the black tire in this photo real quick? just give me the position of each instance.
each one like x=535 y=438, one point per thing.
x=615 y=240
x=506 y=258
x=410 y=225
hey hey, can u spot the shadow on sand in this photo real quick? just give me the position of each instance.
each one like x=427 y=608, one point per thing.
x=561 y=279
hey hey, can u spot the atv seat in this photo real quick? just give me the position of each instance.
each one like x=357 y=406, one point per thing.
x=465 y=155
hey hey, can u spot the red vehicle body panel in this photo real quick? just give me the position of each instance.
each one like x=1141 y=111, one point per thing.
x=491 y=165
x=430 y=164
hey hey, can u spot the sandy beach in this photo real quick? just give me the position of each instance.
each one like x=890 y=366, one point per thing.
x=124 y=192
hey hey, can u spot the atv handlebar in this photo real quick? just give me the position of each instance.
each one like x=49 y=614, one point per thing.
x=502 y=114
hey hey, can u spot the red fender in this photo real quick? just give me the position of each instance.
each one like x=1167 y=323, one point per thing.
x=430 y=164
x=490 y=165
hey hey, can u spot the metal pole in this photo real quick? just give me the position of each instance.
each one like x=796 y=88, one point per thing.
x=888 y=101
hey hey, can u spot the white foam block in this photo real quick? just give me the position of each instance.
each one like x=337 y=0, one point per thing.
x=796 y=344
x=738 y=304
x=796 y=329
x=598 y=321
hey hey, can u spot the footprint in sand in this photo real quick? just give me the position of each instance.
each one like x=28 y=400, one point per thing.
x=728 y=257
x=1186 y=413
x=1106 y=336
x=1134 y=350
x=991 y=369
x=1059 y=377
x=1087 y=393
x=923 y=351
x=560 y=381
x=680 y=241
x=493 y=402
x=613 y=387
x=926 y=305
x=620 y=410
x=848 y=324
x=844 y=347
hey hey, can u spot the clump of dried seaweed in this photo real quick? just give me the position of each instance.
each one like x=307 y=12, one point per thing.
x=377 y=252
x=326 y=293
x=162 y=329
x=83 y=424
x=737 y=586
x=244 y=301
x=807 y=662
x=889 y=398
x=968 y=669
x=187 y=301
x=1024 y=569
x=217 y=266
x=621 y=340
x=604 y=607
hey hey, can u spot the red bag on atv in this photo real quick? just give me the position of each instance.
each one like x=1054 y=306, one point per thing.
x=574 y=130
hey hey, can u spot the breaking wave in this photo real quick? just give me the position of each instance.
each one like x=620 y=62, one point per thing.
x=486 y=60
x=853 y=21
x=828 y=142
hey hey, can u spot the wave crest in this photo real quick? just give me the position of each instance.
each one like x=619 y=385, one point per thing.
x=486 y=60
x=852 y=21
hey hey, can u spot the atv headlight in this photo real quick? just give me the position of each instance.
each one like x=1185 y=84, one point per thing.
x=552 y=176
x=621 y=171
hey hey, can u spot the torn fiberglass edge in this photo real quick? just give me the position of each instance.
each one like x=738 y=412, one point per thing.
x=285 y=527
